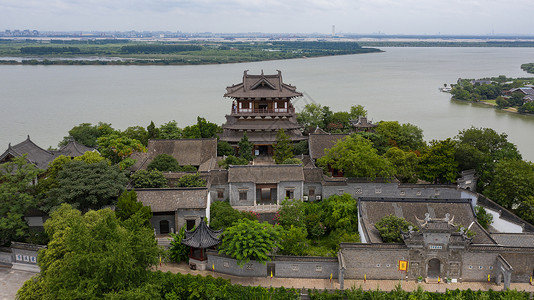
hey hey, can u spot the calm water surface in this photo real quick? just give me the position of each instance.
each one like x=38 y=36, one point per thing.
x=399 y=84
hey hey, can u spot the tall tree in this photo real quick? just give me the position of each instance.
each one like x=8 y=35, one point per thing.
x=152 y=131
x=136 y=133
x=356 y=157
x=405 y=164
x=357 y=111
x=128 y=206
x=16 y=197
x=283 y=148
x=149 y=179
x=438 y=164
x=245 y=148
x=311 y=116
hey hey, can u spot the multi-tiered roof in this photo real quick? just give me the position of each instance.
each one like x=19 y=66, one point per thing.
x=262 y=106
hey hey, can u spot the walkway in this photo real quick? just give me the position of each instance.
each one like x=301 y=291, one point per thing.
x=385 y=285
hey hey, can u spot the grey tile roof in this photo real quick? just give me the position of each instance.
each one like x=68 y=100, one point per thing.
x=259 y=137
x=514 y=239
x=372 y=210
x=263 y=174
x=73 y=149
x=218 y=177
x=262 y=86
x=35 y=154
x=202 y=237
x=313 y=175
x=193 y=152
x=171 y=200
x=319 y=142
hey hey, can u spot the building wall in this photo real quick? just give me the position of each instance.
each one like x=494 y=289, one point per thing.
x=318 y=190
x=234 y=193
x=503 y=225
x=392 y=190
x=522 y=264
x=214 y=192
x=5 y=257
x=189 y=214
x=307 y=267
x=285 y=267
x=154 y=221
x=295 y=185
x=373 y=263
x=477 y=265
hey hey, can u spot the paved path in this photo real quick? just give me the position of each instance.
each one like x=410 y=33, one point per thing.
x=385 y=285
x=10 y=282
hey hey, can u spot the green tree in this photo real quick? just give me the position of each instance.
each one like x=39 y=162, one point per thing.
x=224 y=148
x=16 y=197
x=127 y=206
x=85 y=134
x=341 y=213
x=136 y=133
x=170 y=131
x=292 y=161
x=283 y=149
x=293 y=241
x=149 y=179
x=152 y=131
x=438 y=164
x=248 y=240
x=223 y=215
x=245 y=148
x=356 y=157
x=512 y=184
x=191 y=180
x=357 y=111
x=405 y=164
x=483 y=217
x=291 y=213
x=178 y=251
x=164 y=163
x=342 y=119
x=502 y=103
x=232 y=160
x=312 y=116
x=302 y=148
x=119 y=148
x=86 y=186
x=90 y=157
x=405 y=136
x=390 y=226
x=91 y=256
x=380 y=142
x=481 y=149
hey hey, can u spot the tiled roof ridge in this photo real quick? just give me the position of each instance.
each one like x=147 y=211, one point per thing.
x=29 y=140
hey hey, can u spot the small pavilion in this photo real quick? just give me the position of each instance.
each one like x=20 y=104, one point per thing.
x=199 y=240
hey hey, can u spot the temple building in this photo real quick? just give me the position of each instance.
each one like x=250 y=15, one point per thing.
x=261 y=106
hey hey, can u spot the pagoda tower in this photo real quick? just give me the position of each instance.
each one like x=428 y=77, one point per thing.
x=261 y=106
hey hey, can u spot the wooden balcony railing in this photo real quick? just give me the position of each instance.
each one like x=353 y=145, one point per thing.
x=263 y=110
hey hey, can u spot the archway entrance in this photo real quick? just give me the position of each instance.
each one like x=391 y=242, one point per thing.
x=164 y=226
x=433 y=268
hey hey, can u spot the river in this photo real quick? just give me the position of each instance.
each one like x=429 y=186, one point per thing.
x=398 y=84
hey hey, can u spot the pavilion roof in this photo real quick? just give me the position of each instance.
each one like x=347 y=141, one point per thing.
x=202 y=237
x=262 y=86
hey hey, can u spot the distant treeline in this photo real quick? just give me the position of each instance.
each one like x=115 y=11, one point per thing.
x=319 y=45
x=49 y=50
x=529 y=68
x=446 y=44
x=91 y=42
x=159 y=48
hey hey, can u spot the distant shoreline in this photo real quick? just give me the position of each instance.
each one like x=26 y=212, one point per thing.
x=509 y=109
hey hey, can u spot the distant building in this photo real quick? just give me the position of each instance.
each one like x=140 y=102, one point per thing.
x=363 y=125
x=261 y=106
x=39 y=156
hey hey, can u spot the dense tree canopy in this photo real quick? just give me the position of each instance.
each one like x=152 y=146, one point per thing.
x=481 y=149
x=224 y=216
x=118 y=149
x=149 y=179
x=405 y=136
x=87 y=185
x=438 y=164
x=17 y=195
x=247 y=240
x=91 y=256
x=245 y=148
x=356 y=157
x=405 y=164
x=164 y=163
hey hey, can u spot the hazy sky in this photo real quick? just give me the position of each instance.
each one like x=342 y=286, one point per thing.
x=274 y=16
